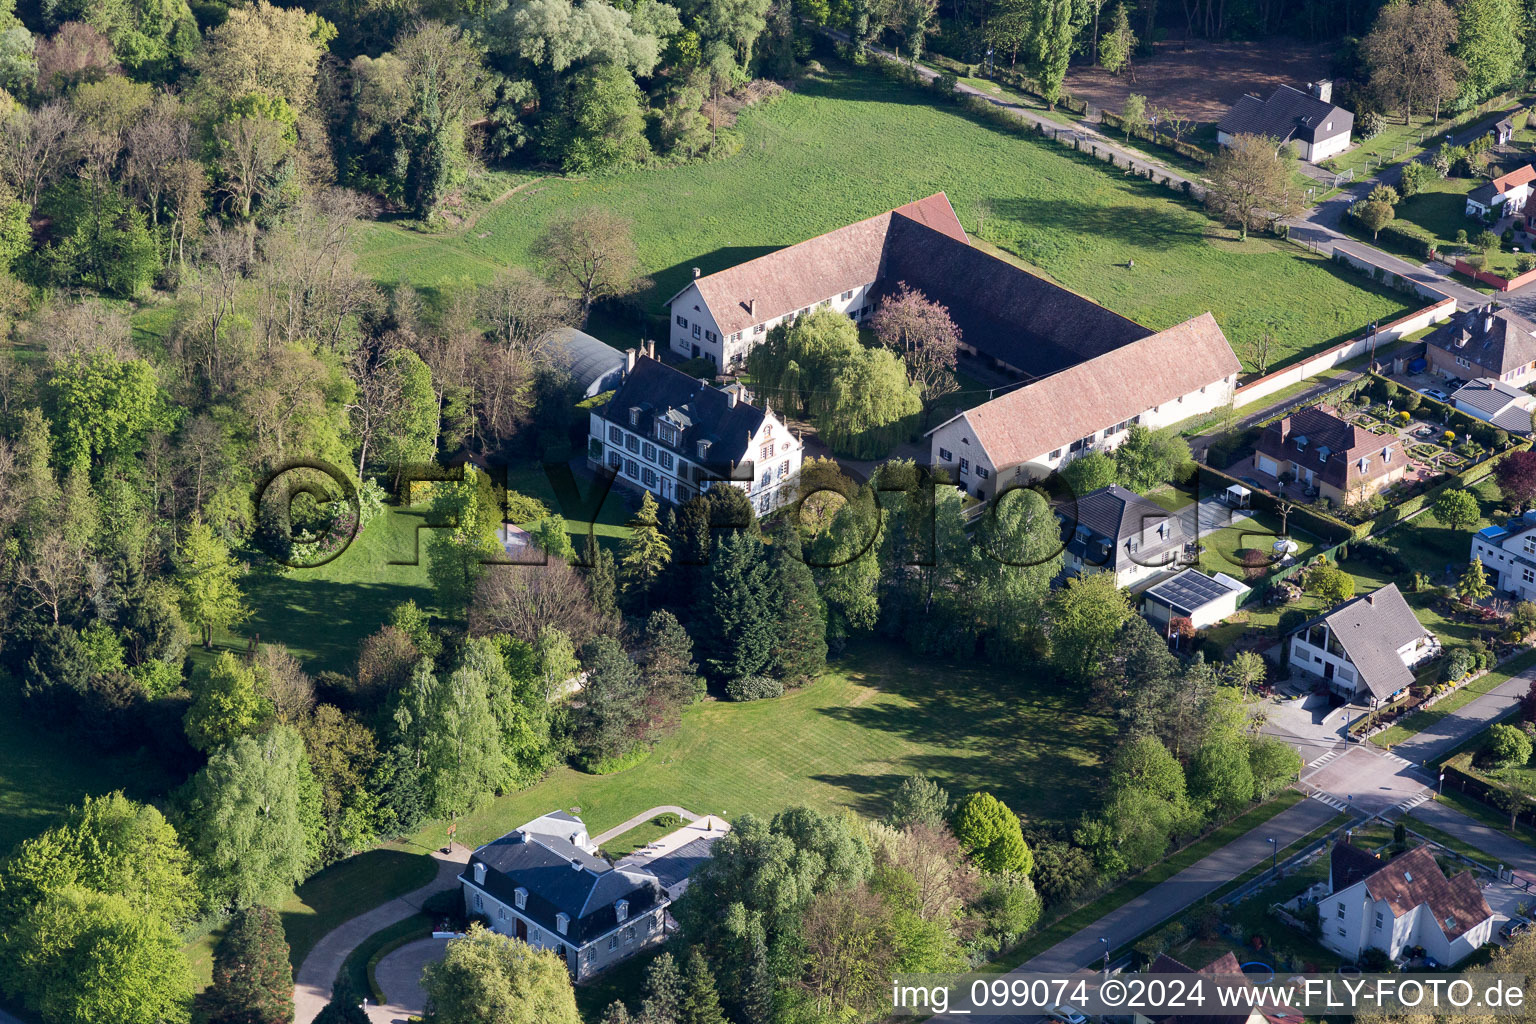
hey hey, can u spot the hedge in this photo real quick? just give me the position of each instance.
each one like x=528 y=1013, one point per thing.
x=1334 y=531
x=1409 y=237
x=1146 y=134
x=1397 y=513
x=1461 y=773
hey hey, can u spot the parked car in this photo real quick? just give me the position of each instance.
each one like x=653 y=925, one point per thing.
x=1456 y=384
x=1067 y=1015
x=1514 y=926
x=1434 y=393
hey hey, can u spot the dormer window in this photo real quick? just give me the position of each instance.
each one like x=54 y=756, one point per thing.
x=562 y=923
x=666 y=433
x=634 y=415
x=1386 y=455
x=621 y=909
x=703 y=447
x=520 y=897
x=1365 y=465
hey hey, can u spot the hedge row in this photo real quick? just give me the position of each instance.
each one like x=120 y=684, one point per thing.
x=1321 y=524
x=1397 y=513
x=1147 y=134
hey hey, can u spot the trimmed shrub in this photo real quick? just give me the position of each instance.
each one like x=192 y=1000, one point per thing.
x=754 y=688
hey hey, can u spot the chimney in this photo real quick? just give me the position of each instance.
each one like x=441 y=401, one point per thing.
x=752 y=308
x=629 y=359
x=695 y=273
x=576 y=863
x=650 y=348
x=1322 y=89
x=1488 y=320
x=730 y=395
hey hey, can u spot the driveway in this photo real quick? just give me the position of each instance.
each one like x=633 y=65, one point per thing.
x=399 y=976
x=1312 y=723
x=317 y=974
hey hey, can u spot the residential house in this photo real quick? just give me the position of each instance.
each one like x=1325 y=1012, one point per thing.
x=1503 y=131
x=1365 y=649
x=545 y=884
x=1308 y=120
x=1408 y=902
x=1508 y=553
x=1018 y=322
x=1203 y=600
x=721 y=316
x=1118 y=531
x=675 y=436
x=1345 y=463
x=1490 y=341
x=1155 y=380
x=1227 y=968
x=1505 y=406
x=1504 y=196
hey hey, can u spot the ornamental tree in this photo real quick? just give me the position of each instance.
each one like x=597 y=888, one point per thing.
x=991 y=834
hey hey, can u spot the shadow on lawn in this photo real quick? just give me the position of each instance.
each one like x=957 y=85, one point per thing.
x=1160 y=226
x=976 y=728
x=323 y=622
x=347 y=888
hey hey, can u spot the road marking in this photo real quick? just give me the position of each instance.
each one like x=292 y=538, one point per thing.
x=1331 y=801
x=1325 y=758
x=1412 y=802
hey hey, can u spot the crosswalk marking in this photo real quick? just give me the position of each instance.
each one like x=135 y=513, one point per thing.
x=1331 y=801
x=1412 y=802
x=1325 y=758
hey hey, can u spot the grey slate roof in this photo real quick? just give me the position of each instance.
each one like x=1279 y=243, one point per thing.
x=1501 y=404
x=1288 y=113
x=1371 y=628
x=1485 y=194
x=1495 y=339
x=1348 y=864
x=1002 y=310
x=1116 y=528
x=562 y=878
x=701 y=411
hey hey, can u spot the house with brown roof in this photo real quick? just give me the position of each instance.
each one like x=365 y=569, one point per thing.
x=1366 y=649
x=721 y=316
x=1230 y=972
x=1505 y=195
x=1345 y=463
x=1408 y=902
x=1156 y=380
x=1490 y=341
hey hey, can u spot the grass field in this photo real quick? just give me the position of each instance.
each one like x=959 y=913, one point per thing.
x=42 y=774
x=847 y=145
x=847 y=740
x=347 y=889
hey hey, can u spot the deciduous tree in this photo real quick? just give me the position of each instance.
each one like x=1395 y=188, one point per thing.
x=489 y=978
x=591 y=252
x=991 y=834
x=1250 y=185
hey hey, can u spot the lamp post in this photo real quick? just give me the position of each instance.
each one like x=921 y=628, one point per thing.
x=1440 y=786
x=1105 y=943
x=1274 y=855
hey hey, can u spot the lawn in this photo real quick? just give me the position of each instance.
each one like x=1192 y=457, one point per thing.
x=847 y=145
x=1421 y=720
x=43 y=773
x=846 y=741
x=323 y=614
x=349 y=888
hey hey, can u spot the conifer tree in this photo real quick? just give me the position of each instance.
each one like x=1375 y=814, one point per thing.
x=602 y=582
x=617 y=1013
x=800 y=642
x=701 y=1000
x=646 y=554
x=735 y=609
x=252 y=979
x=757 y=985
x=344 y=1007
x=1473 y=585
x=666 y=654
x=664 y=992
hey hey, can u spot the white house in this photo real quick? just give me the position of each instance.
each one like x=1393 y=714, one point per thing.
x=544 y=884
x=1407 y=902
x=1155 y=380
x=1118 y=531
x=1509 y=555
x=1203 y=600
x=1366 y=648
x=1504 y=405
x=1307 y=120
x=675 y=436
x=721 y=316
x=1503 y=196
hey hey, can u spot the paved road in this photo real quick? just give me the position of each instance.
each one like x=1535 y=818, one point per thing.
x=317 y=974
x=1467 y=720
x=1507 y=849
x=1158 y=904
x=641 y=819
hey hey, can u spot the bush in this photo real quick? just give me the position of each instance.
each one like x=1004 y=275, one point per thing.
x=1384 y=390
x=668 y=820
x=1369 y=125
x=1411 y=401
x=1507 y=747
x=1457 y=664
x=754 y=688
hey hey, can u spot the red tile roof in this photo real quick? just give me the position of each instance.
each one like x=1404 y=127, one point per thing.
x=1103 y=391
x=1414 y=878
x=803 y=274
x=1504 y=182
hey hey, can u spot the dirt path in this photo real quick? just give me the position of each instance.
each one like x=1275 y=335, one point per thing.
x=474 y=218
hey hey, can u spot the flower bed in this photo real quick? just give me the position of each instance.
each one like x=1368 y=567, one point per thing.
x=1425 y=451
